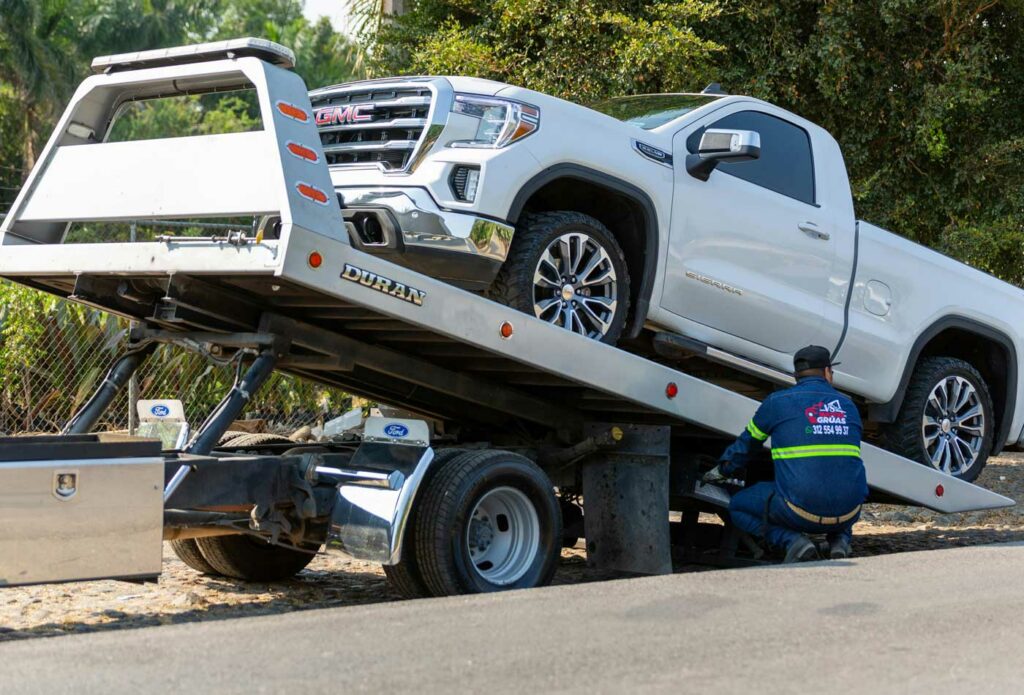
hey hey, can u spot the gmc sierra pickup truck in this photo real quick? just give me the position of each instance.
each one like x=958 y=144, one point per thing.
x=712 y=230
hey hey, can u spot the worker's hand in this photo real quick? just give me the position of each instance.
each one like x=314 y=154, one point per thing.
x=713 y=476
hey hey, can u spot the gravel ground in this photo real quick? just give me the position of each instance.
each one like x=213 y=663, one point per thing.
x=185 y=596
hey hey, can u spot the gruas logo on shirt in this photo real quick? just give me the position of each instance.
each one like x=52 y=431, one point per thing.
x=830 y=413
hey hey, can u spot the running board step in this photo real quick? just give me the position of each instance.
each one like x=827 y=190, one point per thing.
x=674 y=347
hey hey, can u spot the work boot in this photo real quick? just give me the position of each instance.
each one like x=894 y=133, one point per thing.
x=839 y=549
x=801 y=550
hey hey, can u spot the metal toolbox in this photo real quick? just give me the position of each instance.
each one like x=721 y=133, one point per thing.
x=80 y=507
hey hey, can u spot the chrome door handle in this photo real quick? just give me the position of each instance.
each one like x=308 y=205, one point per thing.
x=812 y=229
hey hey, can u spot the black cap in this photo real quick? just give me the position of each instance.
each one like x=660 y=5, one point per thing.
x=812 y=357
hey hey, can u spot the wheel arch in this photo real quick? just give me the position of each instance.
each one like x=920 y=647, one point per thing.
x=635 y=224
x=990 y=351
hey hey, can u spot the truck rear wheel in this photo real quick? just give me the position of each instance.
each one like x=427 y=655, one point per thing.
x=566 y=268
x=946 y=420
x=188 y=552
x=405 y=577
x=487 y=521
x=253 y=559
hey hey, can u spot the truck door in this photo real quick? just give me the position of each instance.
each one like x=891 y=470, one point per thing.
x=751 y=253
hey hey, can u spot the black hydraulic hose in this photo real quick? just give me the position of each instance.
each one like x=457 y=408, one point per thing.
x=102 y=397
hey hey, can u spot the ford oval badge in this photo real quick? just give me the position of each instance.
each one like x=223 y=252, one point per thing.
x=396 y=430
x=160 y=410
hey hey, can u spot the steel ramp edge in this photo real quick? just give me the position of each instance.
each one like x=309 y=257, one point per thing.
x=472 y=319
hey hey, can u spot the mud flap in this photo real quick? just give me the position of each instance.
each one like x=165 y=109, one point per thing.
x=625 y=504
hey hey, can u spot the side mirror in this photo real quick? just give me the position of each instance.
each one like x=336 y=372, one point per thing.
x=718 y=146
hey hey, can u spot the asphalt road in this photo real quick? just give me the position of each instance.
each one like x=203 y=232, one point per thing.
x=936 y=622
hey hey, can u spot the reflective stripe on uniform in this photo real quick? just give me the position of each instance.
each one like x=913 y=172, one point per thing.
x=824 y=520
x=813 y=450
x=756 y=432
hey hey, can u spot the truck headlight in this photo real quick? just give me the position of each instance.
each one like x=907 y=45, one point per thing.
x=502 y=121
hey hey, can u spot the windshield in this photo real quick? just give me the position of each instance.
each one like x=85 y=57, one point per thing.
x=653 y=110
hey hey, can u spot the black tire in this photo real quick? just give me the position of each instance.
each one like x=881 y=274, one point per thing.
x=514 y=284
x=253 y=441
x=572 y=523
x=230 y=435
x=188 y=552
x=253 y=559
x=444 y=514
x=905 y=436
x=405 y=577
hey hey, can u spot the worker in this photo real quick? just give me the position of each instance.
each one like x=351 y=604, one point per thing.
x=819 y=476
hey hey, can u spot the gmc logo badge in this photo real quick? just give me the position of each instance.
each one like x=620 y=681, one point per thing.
x=340 y=115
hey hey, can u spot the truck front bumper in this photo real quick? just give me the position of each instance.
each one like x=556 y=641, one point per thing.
x=407 y=226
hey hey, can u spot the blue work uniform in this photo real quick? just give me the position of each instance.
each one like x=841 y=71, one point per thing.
x=819 y=476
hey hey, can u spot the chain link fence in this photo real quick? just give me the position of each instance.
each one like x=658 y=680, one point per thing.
x=54 y=353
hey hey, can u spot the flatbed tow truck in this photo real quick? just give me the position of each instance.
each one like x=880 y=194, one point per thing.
x=511 y=423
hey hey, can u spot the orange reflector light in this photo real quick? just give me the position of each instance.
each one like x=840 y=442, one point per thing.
x=671 y=390
x=292 y=111
x=311 y=192
x=506 y=330
x=315 y=260
x=303 y=152
x=939 y=491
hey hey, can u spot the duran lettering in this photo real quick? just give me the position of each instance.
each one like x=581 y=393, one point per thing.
x=383 y=285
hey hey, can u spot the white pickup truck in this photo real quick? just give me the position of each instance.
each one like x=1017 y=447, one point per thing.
x=709 y=229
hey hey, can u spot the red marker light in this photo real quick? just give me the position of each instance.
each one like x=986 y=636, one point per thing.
x=292 y=111
x=312 y=193
x=315 y=260
x=506 y=330
x=303 y=152
x=939 y=491
x=671 y=390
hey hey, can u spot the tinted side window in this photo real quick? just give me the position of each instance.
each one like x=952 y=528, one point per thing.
x=785 y=165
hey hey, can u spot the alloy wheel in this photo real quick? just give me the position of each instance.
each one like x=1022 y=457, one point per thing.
x=953 y=425
x=575 y=285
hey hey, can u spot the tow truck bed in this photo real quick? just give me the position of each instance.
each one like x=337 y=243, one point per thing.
x=349 y=319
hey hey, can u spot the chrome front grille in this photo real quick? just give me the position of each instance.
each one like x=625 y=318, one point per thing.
x=372 y=124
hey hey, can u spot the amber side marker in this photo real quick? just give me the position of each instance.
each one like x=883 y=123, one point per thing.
x=303 y=152
x=312 y=192
x=292 y=111
x=506 y=330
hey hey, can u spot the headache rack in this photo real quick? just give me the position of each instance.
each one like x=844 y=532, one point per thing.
x=325 y=310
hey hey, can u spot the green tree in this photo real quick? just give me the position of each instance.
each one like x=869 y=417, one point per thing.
x=581 y=49
x=38 y=56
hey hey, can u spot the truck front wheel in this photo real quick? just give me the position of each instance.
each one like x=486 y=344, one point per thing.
x=487 y=521
x=946 y=420
x=566 y=268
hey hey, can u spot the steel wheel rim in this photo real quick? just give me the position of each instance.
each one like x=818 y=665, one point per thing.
x=575 y=285
x=953 y=425
x=503 y=535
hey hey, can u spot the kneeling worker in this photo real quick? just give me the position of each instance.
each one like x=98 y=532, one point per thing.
x=819 y=477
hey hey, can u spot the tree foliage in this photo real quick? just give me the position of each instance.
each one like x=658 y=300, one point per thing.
x=581 y=49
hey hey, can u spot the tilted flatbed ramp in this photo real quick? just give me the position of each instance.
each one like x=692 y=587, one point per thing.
x=354 y=320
